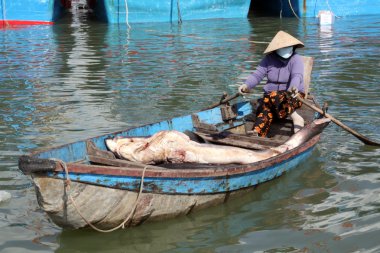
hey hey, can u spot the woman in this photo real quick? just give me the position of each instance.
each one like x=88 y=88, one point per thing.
x=284 y=69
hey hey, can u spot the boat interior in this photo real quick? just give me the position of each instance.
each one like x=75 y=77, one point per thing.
x=238 y=135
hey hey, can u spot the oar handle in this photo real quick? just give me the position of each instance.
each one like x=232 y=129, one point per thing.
x=223 y=101
x=364 y=139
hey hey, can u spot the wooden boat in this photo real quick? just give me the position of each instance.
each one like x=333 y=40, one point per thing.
x=83 y=184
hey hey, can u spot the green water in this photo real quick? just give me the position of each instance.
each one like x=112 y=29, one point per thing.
x=81 y=78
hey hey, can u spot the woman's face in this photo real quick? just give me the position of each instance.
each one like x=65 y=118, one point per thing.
x=285 y=52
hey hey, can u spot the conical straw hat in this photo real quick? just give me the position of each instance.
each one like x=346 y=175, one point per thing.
x=281 y=40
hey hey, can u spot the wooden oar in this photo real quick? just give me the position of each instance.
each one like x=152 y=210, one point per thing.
x=364 y=139
x=223 y=101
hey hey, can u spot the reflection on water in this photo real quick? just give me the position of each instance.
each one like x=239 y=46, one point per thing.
x=80 y=78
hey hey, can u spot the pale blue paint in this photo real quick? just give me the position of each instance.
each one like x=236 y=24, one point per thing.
x=30 y=10
x=205 y=185
x=117 y=11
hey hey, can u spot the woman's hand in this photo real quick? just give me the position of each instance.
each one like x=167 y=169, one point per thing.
x=243 y=89
x=293 y=91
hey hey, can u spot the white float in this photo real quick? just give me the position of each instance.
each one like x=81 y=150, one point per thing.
x=326 y=17
x=4 y=196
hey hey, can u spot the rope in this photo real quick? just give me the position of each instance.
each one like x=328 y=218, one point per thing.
x=291 y=7
x=315 y=7
x=179 y=13
x=126 y=13
x=328 y=5
x=5 y=23
x=171 y=11
x=121 y=225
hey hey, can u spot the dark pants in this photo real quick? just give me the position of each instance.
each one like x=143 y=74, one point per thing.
x=274 y=105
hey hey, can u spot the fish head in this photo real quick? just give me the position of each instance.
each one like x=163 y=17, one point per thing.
x=111 y=144
x=306 y=133
x=114 y=143
x=321 y=124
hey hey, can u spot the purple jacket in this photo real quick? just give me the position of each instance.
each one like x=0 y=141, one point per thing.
x=282 y=74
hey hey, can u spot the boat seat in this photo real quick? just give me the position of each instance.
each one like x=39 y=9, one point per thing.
x=119 y=163
x=308 y=67
x=93 y=150
x=239 y=140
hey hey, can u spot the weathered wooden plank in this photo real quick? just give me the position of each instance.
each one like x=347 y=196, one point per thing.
x=250 y=142
x=95 y=151
x=248 y=138
x=119 y=162
x=281 y=129
x=29 y=165
x=198 y=124
x=308 y=67
x=97 y=156
x=306 y=113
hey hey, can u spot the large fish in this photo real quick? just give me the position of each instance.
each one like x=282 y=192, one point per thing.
x=176 y=147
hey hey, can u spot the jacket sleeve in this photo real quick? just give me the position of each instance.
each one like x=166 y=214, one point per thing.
x=261 y=71
x=296 y=74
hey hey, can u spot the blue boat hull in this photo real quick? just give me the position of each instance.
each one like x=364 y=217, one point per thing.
x=112 y=198
x=114 y=201
x=30 y=12
x=123 y=11
x=311 y=8
x=135 y=11
x=190 y=185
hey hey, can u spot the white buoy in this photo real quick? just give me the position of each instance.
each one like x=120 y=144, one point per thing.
x=326 y=17
x=4 y=196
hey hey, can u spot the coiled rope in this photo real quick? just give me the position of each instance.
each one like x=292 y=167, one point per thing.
x=121 y=225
